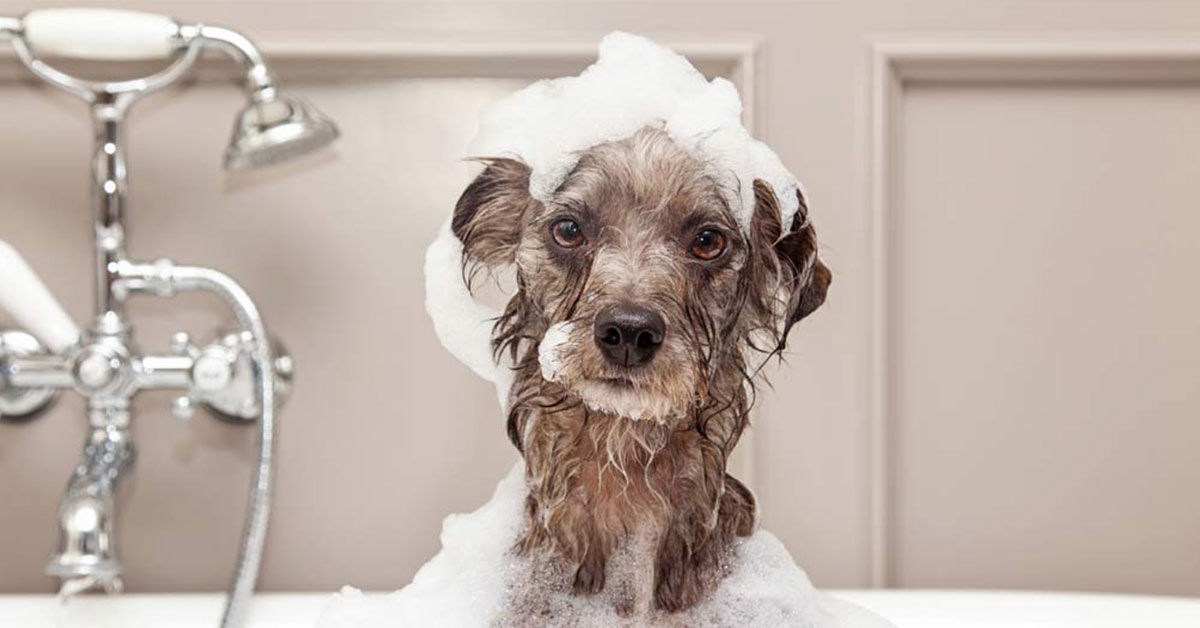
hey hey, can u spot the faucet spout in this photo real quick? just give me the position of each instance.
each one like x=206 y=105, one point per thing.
x=85 y=553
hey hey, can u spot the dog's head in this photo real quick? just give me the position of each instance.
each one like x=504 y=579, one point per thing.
x=636 y=287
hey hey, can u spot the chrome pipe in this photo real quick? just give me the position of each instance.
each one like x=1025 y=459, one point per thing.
x=110 y=185
x=259 y=81
x=172 y=372
x=38 y=371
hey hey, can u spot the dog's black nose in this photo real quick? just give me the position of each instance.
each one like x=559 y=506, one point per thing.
x=629 y=335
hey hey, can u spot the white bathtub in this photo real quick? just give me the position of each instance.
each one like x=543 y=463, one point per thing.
x=907 y=609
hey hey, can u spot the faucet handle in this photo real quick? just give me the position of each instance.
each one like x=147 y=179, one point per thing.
x=19 y=403
x=104 y=34
x=223 y=378
x=31 y=305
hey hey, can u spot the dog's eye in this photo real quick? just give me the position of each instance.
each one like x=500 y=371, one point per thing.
x=567 y=233
x=708 y=245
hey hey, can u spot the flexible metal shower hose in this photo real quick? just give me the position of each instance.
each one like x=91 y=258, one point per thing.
x=254 y=536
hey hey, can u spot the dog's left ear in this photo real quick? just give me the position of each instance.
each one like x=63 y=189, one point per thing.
x=801 y=275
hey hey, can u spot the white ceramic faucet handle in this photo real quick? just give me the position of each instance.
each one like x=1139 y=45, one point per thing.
x=103 y=34
x=25 y=298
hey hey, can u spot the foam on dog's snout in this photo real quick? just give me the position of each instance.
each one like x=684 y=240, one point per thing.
x=550 y=350
x=635 y=83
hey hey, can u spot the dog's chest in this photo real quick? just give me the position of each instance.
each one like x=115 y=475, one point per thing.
x=623 y=472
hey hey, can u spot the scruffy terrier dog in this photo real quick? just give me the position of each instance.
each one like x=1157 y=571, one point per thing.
x=672 y=309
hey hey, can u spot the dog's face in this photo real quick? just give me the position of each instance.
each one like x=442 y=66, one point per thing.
x=640 y=272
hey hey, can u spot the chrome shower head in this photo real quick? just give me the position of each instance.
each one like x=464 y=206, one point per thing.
x=275 y=129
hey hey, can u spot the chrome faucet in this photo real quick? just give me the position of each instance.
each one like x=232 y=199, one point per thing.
x=86 y=555
x=241 y=376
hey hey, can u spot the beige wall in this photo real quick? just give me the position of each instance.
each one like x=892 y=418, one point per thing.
x=1001 y=391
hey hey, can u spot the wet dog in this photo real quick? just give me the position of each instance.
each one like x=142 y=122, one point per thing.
x=643 y=311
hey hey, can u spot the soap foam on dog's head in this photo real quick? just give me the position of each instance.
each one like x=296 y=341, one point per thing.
x=635 y=83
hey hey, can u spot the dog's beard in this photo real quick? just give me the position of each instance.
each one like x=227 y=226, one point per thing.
x=558 y=357
x=622 y=399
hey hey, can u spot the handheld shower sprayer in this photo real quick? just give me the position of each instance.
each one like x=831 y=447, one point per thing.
x=239 y=377
x=272 y=127
x=277 y=130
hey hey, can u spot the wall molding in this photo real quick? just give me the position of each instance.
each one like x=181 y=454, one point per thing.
x=895 y=62
x=356 y=56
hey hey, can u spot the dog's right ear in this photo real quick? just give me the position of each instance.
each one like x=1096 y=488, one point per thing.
x=491 y=213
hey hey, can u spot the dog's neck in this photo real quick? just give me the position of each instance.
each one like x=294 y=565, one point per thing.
x=607 y=492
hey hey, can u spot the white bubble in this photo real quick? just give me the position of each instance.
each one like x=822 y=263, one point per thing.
x=550 y=350
x=635 y=83
x=472 y=581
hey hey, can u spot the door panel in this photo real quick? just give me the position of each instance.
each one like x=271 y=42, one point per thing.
x=1047 y=373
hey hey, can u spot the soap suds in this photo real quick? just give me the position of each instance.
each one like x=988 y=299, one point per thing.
x=550 y=350
x=462 y=324
x=473 y=581
x=463 y=586
x=635 y=83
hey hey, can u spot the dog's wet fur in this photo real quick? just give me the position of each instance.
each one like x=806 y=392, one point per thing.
x=628 y=460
